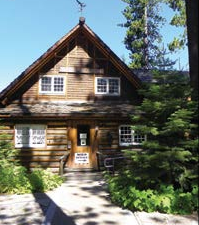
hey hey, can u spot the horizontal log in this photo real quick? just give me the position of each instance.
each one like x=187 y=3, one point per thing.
x=41 y=164
x=51 y=147
x=56 y=142
x=41 y=149
x=52 y=124
x=105 y=143
x=6 y=132
x=42 y=153
x=39 y=159
x=52 y=137
x=106 y=146
x=57 y=132
x=55 y=127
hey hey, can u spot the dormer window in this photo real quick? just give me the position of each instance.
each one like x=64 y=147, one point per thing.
x=107 y=86
x=52 y=84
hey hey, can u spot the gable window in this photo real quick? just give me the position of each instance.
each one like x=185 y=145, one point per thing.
x=52 y=84
x=107 y=86
x=30 y=135
x=127 y=136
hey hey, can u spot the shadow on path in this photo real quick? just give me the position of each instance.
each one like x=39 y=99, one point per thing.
x=81 y=200
x=31 y=209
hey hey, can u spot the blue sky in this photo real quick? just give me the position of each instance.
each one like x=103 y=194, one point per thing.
x=29 y=27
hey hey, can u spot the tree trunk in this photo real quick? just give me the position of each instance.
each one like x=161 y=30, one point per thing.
x=146 y=53
x=192 y=30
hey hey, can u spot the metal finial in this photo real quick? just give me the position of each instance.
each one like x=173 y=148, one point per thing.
x=81 y=5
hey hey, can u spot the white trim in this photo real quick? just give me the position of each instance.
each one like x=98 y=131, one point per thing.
x=30 y=129
x=63 y=69
x=107 y=93
x=52 y=92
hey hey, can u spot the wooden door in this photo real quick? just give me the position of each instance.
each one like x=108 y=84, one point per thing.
x=83 y=139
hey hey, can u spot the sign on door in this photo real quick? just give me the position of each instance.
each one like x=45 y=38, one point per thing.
x=81 y=158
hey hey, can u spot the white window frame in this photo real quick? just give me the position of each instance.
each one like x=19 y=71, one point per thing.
x=107 y=86
x=52 y=92
x=30 y=128
x=132 y=136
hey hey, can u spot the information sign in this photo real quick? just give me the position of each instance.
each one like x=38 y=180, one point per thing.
x=81 y=158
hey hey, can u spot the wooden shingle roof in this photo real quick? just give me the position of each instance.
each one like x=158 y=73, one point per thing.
x=66 y=109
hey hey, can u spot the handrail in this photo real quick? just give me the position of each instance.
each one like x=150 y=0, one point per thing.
x=61 y=163
x=98 y=154
x=109 y=163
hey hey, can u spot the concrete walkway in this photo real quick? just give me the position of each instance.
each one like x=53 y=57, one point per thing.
x=81 y=200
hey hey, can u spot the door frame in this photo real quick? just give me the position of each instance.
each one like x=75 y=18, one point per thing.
x=91 y=149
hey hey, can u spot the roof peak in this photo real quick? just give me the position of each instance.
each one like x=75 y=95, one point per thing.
x=82 y=20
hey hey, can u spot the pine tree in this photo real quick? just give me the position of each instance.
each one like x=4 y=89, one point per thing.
x=143 y=38
x=170 y=119
x=178 y=20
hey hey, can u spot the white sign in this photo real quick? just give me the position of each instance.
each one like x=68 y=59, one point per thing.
x=83 y=142
x=81 y=158
x=84 y=136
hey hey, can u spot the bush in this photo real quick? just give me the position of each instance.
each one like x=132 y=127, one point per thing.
x=15 y=179
x=44 y=180
x=166 y=199
x=8 y=154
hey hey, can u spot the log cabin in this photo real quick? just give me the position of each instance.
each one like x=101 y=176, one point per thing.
x=76 y=100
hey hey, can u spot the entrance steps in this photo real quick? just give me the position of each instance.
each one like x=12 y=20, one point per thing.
x=83 y=176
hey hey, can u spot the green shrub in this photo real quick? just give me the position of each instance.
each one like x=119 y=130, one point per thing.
x=14 y=179
x=8 y=153
x=165 y=199
x=44 y=180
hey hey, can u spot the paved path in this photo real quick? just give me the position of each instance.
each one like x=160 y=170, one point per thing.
x=81 y=200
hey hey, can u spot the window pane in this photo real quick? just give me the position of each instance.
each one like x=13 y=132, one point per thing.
x=23 y=136
x=101 y=85
x=125 y=135
x=58 y=84
x=46 y=83
x=38 y=136
x=113 y=86
x=139 y=138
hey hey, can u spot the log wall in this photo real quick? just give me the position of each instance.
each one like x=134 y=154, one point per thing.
x=56 y=144
x=47 y=157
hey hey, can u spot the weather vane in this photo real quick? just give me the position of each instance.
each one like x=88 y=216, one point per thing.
x=81 y=5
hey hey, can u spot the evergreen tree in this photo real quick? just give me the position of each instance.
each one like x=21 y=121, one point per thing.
x=162 y=174
x=170 y=119
x=143 y=37
x=178 y=20
x=186 y=16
